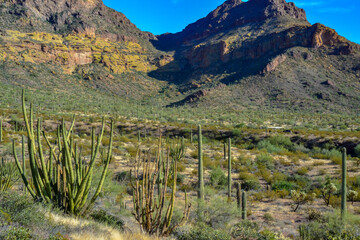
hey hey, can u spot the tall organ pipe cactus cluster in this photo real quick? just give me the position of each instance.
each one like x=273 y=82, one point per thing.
x=154 y=214
x=65 y=177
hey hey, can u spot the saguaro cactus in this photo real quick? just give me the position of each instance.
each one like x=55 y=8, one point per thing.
x=243 y=210
x=238 y=195
x=343 y=184
x=200 y=167
x=1 y=132
x=229 y=169
x=64 y=179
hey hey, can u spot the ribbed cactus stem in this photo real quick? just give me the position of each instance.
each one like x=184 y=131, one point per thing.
x=201 y=167
x=23 y=156
x=343 y=184
x=229 y=169
x=243 y=203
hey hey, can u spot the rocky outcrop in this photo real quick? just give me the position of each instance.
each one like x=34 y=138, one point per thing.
x=271 y=66
x=90 y=17
x=316 y=36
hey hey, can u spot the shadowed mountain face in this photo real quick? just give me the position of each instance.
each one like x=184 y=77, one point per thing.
x=256 y=53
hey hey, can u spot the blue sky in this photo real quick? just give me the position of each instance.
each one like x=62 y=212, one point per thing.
x=160 y=16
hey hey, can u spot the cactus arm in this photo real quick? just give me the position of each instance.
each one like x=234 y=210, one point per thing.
x=109 y=155
x=22 y=172
x=42 y=161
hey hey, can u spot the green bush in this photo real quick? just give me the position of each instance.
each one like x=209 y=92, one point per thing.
x=245 y=230
x=282 y=141
x=265 y=144
x=18 y=233
x=284 y=185
x=202 y=232
x=265 y=160
x=357 y=150
x=217 y=177
x=332 y=227
x=104 y=217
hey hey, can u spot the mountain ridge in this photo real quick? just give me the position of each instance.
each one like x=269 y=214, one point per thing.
x=237 y=50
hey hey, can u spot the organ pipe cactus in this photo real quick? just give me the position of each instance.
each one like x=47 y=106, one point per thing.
x=154 y=215
x=343 y=184
x=65 y=178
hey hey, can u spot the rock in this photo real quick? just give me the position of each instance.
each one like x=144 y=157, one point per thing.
x=274 y=64
x=329 y=83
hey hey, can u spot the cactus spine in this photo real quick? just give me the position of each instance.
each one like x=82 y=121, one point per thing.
x=243 y=210
x=63 y=179
x=201 y=167
x=229 y=169
x=343 y=184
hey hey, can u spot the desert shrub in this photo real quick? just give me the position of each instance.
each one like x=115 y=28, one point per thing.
x=330 y=228
x=217 y=177
x=245 y=230
x=104 y=217
x=201 y=232
x=302 y=171
x=251 y=184
x=333 y=154
x=217 y=212
x=357 y=150
x=314 y=214
x=265 y=160
x=16 y=233
x=283 y=141
x=268 y=217
x=265 y=144
x=284 y=185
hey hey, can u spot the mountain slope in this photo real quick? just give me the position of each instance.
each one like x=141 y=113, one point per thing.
x=255 y=54
x=272 y=53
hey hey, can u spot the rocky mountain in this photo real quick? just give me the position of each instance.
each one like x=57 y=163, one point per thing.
x=272 y=53
x=258 y=53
